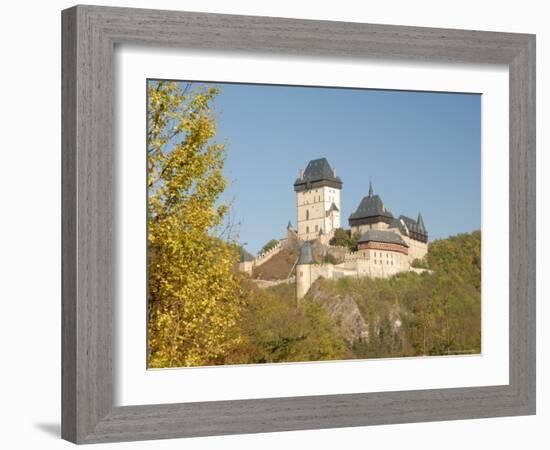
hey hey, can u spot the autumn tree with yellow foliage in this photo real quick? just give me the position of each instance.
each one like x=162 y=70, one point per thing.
x=194 y=297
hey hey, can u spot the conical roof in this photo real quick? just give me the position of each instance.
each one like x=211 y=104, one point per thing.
x=420 y=223
x=415 y=226
x=306 y=254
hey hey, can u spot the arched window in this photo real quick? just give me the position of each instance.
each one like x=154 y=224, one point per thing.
x=307 y=214
x=307 y=229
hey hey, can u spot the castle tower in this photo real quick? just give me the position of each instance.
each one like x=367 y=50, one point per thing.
x=317 y=200
x=370 y=214
x=304 y=271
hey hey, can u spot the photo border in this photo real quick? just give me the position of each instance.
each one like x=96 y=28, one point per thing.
x=89 y=37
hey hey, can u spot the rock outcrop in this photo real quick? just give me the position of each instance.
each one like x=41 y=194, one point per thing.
x=344 y=311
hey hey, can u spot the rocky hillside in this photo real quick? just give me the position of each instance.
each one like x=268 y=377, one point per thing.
x=412 y=314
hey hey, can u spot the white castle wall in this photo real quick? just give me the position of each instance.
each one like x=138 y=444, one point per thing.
x=246 y=267
x=370 y=263
x=417 y=249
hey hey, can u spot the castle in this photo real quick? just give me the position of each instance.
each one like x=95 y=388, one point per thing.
x=386 y=245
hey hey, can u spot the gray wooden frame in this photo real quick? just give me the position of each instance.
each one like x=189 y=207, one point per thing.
x=89 y=36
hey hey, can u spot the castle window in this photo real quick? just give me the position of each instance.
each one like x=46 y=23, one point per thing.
x=307 y=214
x=307 y=229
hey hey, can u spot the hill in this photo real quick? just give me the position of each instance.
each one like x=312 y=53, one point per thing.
x=278 y=267
x=410 y=314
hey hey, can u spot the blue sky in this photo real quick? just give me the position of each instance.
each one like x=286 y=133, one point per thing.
x=421 y=150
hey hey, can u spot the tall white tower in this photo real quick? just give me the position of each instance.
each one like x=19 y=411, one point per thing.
x=317 y=200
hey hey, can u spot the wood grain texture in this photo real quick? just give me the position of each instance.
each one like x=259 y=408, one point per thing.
x=68 y=226
x=89 y=36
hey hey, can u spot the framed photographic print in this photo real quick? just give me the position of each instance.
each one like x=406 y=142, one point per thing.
x=278 y=224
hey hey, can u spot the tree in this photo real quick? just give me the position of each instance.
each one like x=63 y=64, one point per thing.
x=354 y=241
x=269 y=245
x=419 y=263
x=275 y=330
x=194 y=297
x=330 y=259
x=341 y=238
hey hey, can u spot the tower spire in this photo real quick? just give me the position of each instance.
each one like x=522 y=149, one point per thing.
x=420 y=223
x=371 y=191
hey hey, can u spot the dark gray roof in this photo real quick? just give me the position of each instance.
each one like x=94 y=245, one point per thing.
x=318 y=170
x=306 y=254
x=414 y=226
x=245 y=256
x=396 y=223
x=421 y=226
x=370 y=206
x=333 y=207
x=382 y=236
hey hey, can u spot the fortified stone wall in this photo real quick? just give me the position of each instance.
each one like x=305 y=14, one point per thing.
x=266 y=256
x=417 y=249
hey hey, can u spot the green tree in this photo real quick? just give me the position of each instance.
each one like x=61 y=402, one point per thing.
x=330 y=259
x=353 y=241
x=194 y=297
x=269 y=245
x=341 y=238
x=276 y=330
x=419 y=263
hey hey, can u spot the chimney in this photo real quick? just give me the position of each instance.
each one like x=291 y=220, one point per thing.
x=334 y=172
x=301 y=173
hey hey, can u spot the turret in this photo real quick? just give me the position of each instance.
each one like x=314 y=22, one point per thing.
x=420 y=223
x=304 y=267
x=370 y=214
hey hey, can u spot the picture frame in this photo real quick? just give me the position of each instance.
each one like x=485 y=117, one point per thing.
x=89 y=37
